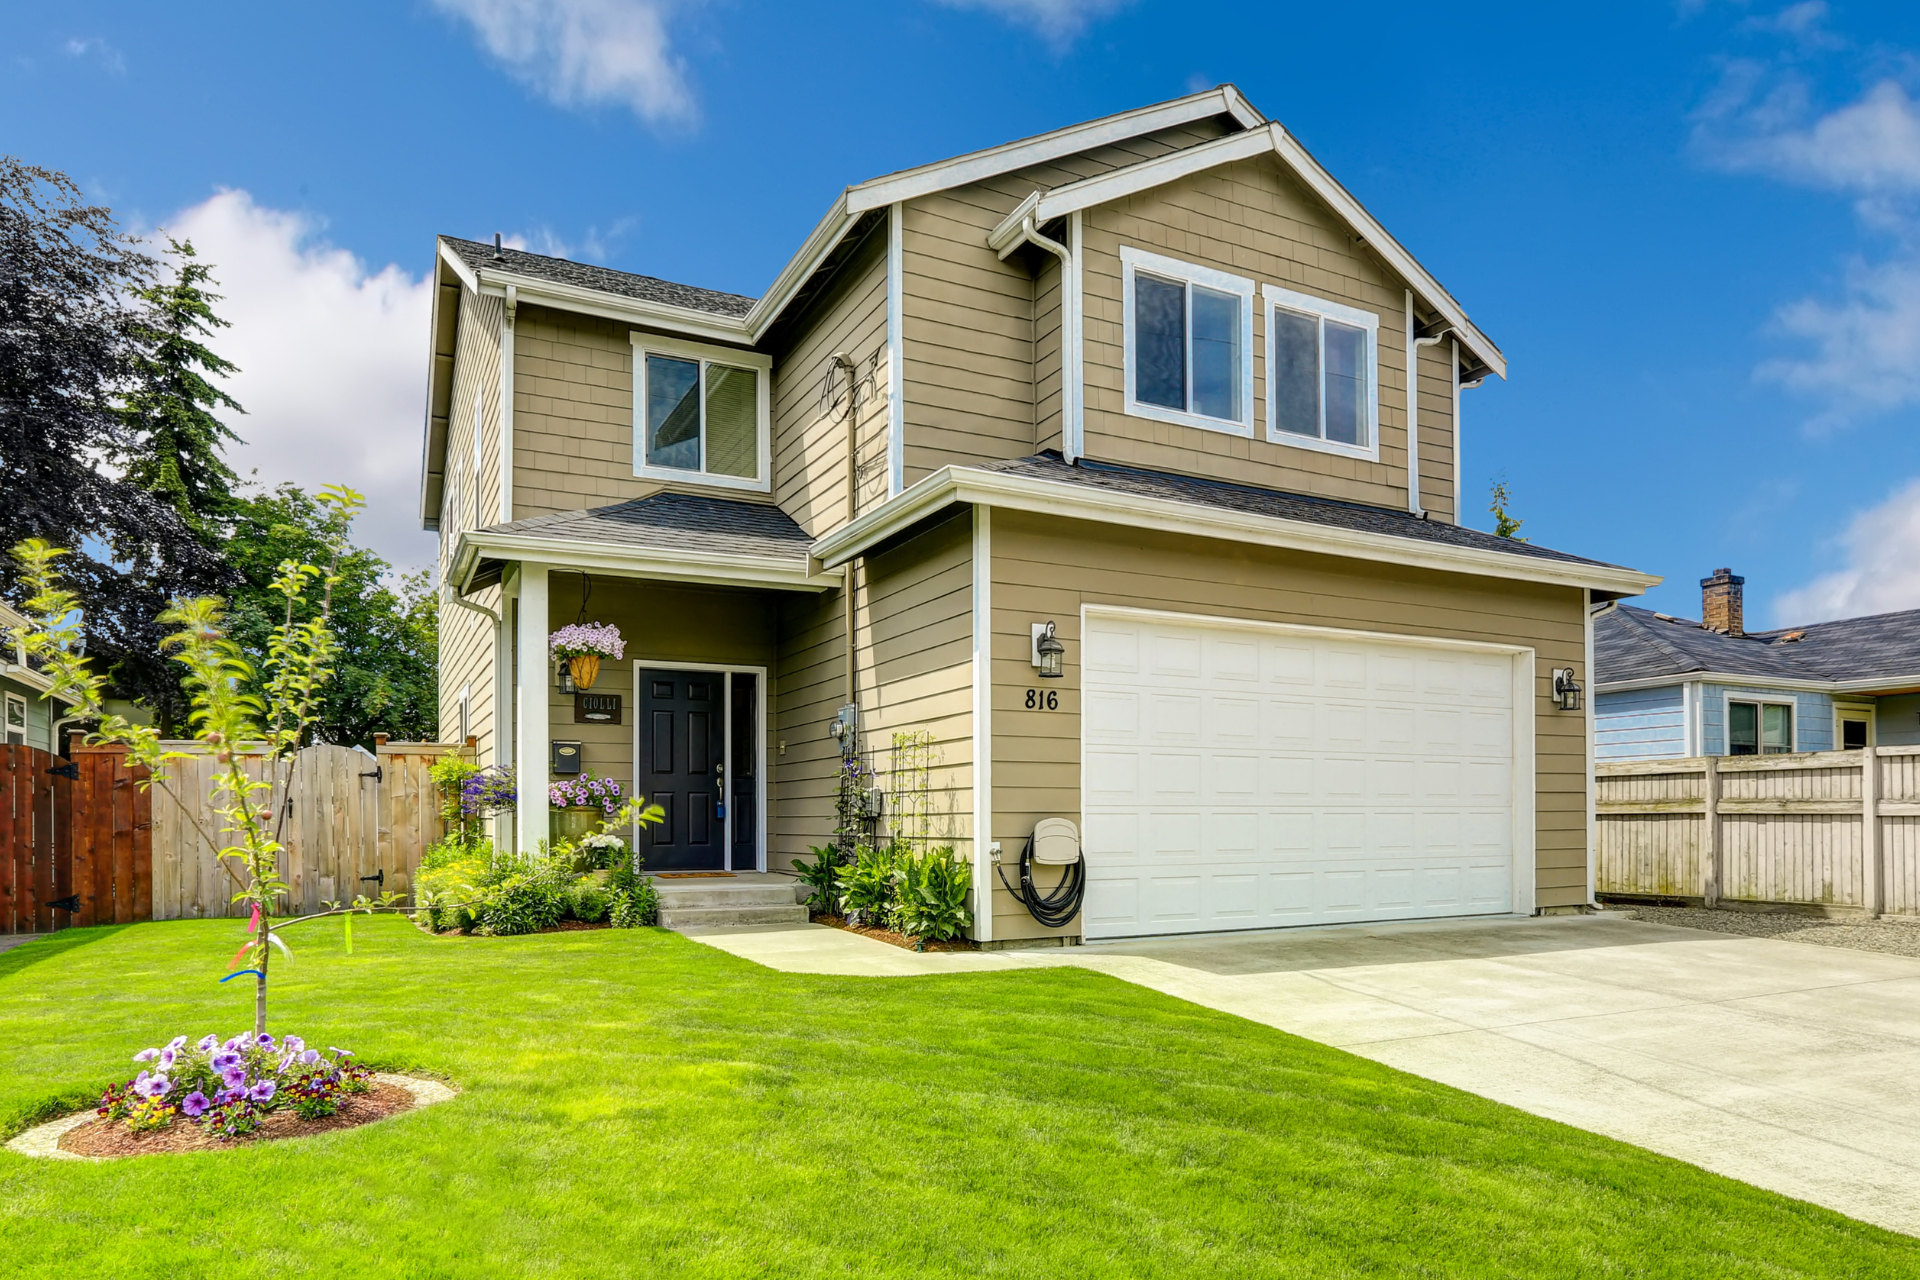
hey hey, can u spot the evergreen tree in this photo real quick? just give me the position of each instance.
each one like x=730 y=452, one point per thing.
x=174 y=440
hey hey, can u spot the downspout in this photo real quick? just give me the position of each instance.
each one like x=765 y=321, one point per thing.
x=841 y=360
x=1593 y=745
x=1069 y=338
x=1414 y=343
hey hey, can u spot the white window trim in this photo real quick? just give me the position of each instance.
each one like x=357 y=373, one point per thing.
x=1728 y=697
x=1132 y=260
x=6 y=724
x=645 y=344
x=1276 y=297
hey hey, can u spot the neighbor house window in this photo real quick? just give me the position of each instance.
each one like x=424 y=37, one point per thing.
x=1322 y=391
x=1759 y=728
x=1189 y=335
x=16 y=727
x=700 y=414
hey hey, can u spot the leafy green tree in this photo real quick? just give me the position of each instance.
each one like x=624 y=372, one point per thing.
x=386 y=633
x=1505 y=526
x=173 y=439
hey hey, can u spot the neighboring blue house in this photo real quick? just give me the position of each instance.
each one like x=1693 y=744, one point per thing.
x=1666 y=686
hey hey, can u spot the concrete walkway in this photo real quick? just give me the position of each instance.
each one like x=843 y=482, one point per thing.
x=1792 y=1067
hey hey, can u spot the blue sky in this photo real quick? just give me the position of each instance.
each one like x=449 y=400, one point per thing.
x=1694 y=228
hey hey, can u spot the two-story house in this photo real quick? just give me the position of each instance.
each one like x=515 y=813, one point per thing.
x=1157 y=385
x=30 y=713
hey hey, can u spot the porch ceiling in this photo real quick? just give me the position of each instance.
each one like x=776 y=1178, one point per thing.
x=672 y=536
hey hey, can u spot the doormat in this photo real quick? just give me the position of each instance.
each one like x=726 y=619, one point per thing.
x=693 y=875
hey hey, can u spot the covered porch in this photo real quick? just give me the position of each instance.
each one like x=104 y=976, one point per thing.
x=696 y=587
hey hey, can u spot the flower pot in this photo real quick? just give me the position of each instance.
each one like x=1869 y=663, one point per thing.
x=585 y=668
x=575 y=821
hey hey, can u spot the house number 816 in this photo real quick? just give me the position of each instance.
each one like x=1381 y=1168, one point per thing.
x=1037 y=700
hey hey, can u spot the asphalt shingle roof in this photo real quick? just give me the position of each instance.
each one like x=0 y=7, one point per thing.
x=604 y=279
x=678 y=522
x=1268 y=502
x=1638 y=644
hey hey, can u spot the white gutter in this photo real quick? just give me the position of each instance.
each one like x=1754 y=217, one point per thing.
x=953 y=485
x=1003 y=240
x=640 y=562
x=506 y=409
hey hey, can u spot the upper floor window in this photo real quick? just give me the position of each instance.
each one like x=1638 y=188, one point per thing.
x=16 y=725
x=1759 y=728
x=1322 y=391
x=1189 y=343
x=700 y=413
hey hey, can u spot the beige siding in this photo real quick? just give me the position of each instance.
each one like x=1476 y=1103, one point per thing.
x=809 y=398
x=1046 y=569
x=469 y=500
x=972 y=324
x=1253 y=219
x=572 y=413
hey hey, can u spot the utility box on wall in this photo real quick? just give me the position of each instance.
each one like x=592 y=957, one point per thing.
x=566 y=758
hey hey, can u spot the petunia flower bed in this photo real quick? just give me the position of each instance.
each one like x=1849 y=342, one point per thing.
x=229 y=1087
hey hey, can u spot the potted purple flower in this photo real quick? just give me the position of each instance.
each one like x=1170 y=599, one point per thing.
x=581 y=645
x=582 y=805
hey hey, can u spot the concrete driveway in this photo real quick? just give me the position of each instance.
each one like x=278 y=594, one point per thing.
x=1786 y=1065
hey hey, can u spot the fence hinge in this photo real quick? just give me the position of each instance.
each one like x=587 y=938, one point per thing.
x=70 y=771
x=378 y=775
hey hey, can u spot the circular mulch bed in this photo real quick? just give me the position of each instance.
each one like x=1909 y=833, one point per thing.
x=88 y=1137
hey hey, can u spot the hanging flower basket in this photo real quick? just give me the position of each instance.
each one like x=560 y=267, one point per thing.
x=582 y=645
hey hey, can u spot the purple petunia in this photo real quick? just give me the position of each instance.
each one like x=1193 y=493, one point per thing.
x=234 y=1077
x=195 y=1105
x=224 y=1059
x=309 y=1057
x=225 y=1096
x=167 y=1058
x=337 y=1051
x=262 y=1092
x=146 y=1055
x=293 y=1044
x=264 y=1040
x=151 y=1086
x=174 y=1045
x=580 y=638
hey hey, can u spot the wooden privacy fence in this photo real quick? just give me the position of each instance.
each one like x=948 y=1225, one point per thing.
x=75 y=840
x=358 y=824
x=1827 y=828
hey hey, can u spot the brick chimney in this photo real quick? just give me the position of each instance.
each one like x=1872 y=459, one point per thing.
x=1720 y=605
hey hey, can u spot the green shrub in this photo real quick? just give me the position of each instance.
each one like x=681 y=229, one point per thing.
x=867 y=885
x=590 y=901
x=821 y=876
x=634 y=903
x=932 y=901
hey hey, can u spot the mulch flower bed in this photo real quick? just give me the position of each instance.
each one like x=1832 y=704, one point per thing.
x=112 y=1138
x=901 y=940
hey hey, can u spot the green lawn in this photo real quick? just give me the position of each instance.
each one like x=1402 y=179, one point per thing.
x=637 y=1104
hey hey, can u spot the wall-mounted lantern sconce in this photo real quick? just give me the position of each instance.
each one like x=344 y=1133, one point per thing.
x=1048 y=653
x=566 y=677
x=1566 y=690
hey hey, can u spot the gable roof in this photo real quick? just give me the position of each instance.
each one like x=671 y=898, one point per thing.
x=1638 y=645
x=581 y=275
x=1270 y=139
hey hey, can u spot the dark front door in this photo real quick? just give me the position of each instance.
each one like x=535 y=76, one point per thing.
x=683 y=739
x=743 y=796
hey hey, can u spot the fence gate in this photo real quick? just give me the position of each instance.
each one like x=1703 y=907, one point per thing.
x=75 y=840
x=356 y=823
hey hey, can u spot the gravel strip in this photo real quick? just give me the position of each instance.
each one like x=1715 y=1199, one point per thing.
x=1894 y=937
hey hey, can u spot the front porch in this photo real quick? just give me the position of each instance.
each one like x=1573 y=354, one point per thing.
x=700 y=590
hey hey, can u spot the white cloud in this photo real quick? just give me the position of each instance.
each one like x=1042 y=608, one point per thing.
x=98 y=49
x=1882 y=570
x=1870 y=147
x=1866 y=347
x=1059 y=21
x=586 y=52
x=332 y=360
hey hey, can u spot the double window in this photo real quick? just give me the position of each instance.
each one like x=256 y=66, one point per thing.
x=1321 y=388
x=1189 y=343
x=16 y=723
x=1759 y=728
x=700 y=413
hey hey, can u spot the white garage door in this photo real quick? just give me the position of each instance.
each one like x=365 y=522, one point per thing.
x=1245 y=778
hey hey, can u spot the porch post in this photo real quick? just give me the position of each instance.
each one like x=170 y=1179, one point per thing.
x=531 y=732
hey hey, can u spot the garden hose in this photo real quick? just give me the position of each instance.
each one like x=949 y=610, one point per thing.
x=1056 y=907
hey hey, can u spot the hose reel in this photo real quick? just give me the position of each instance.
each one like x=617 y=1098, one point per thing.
x=1054 y=842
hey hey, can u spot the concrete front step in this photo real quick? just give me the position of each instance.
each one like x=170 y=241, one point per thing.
x=704 y=893
x=679 y=917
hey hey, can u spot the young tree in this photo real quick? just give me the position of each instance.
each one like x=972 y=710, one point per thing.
x=1505 y=526
x=173 y=438
x=70 y=333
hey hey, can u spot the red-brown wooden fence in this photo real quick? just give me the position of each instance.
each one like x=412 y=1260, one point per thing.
x=73 y=851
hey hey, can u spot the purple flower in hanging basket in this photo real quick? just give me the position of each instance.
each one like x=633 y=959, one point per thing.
x=583 y=639
x=493 y=789
x=194 y=1105
x=262 y=1092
